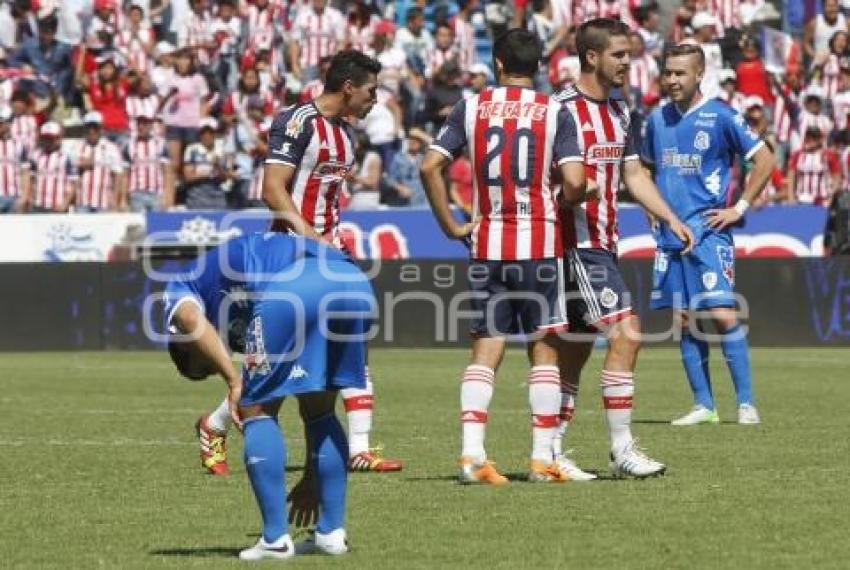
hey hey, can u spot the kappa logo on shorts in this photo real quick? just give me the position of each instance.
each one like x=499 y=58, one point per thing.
x=297 y=373
x=709 y=280
x=608 y=299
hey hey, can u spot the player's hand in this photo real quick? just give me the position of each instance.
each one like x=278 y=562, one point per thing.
x=303 y=502
x=685 y=234
x=721 y=219
x=462 y=231
x=234 y=394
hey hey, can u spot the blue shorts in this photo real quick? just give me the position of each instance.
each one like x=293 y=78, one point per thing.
x=703 y=279
x=596 y=293
x=308 y=334
x=516 y=297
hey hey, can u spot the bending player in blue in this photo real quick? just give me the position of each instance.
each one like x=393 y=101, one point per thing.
x=690 y=144
x=308 y=310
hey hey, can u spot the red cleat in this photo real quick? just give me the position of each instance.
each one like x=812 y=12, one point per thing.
x=370 y=461
x=213 y=447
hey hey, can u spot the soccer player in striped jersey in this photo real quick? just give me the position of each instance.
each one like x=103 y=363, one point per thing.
x=603 y=153
x=13 y=162
x=150 y=181
x=311 y=153
x=101 y=169
x=691 y=144
x=516 y=270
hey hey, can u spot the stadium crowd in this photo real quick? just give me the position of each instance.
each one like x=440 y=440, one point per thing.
x=151 y=104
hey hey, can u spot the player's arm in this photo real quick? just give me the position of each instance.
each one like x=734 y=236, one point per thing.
x=450 y=141
x=749 y=147
x=277 y=179
x=644 y=190
x=569 y=156
x=189 y=319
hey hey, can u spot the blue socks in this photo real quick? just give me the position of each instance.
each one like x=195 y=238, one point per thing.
x=695 y=359
x=265 y=460
x=330 y=454
x=736 y=349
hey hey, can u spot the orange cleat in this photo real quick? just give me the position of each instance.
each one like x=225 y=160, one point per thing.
x=472 y=473
x=542 y=473
x=213 y=447
x=371 y=461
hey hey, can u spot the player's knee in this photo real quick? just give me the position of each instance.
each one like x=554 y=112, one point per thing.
x=317 y=404
x=626 y=338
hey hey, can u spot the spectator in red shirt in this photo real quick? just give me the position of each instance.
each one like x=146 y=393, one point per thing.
x=752 y=79
x=107 y=94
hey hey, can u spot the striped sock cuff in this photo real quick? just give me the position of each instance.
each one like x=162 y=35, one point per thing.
x=473 y=417
x=544 y=375
x=358 y=403
x=570 y=389
x=545 y=420
x=476 y=373
x=610 y=378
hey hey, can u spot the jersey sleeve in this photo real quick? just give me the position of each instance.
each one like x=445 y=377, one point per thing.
x=289 y=137
x=632 y=150
x=739 y=137
x=567 y=148
x=452 y=137
x=647 y=150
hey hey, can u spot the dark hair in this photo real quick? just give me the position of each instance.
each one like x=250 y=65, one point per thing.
x=643 y=13
x=596 y=35
x=686 y=49
x=181 y=357
x=350 y=65
x=20 y=95
x=414 y=12
x=834 y=37
x=136 y=7
x=519 y=52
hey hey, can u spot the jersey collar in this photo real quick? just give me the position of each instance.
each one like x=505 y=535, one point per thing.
x=696 y=107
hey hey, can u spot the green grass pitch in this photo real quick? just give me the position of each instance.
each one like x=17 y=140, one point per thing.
x=99 y=469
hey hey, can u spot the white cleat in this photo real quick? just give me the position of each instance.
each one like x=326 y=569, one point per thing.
x=748 y=415
x=334 y=543
x=281 y=549
x=698 y=415
x=632 y=462
x=572 y=470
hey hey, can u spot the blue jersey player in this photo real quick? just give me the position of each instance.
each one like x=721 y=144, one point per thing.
x=307 y=309
x=690 y=144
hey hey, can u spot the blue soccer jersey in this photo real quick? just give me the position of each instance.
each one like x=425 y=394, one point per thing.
x=692 y=155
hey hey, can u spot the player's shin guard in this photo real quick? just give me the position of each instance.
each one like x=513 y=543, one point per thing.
x=219 y=419
x=544 y=395
x=265 y=461
x=618 y=390
x=330 y=454
x=569 y=392
x=736 y=350
x=476 y=390
x=358 y=408
x=695 y=360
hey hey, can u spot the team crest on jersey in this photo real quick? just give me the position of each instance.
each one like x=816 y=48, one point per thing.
x=726 y=256
x=294 y=128
x=702 y=141
x=709 y=280
x=608 y=299
x=256 y=359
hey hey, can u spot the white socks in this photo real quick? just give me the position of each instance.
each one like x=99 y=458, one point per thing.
x=219 y=419
x=544 y=395
x=569 y=392
x=358 y=407
x=476 y=390
x=618 y=388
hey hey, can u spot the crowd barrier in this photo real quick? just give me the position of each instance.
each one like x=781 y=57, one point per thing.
x=391 y=234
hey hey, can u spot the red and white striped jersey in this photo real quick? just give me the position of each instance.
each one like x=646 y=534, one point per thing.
x=13 y=159
x=54 y=171
x=260 y=23
x=464 y=41
x=131 y=48
x=565 y=12
x=830 y=74
x=783 y=125
x=514 y=137
x=806 y=120
x=96 y=180
x=437 y=57
x=643 y=74
x=319 y=35
x=603 y=141
x=147 y=106
x=812 y=170
x=361 y=38
x=197 y=35
x=321 y=151
x=146 y=159
x=727 y=13
x=617 y=9
x=237 y=102
x=840 y=109
x=25 y=129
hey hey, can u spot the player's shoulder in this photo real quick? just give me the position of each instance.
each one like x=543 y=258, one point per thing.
x=568 y=95
x=295 y=119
